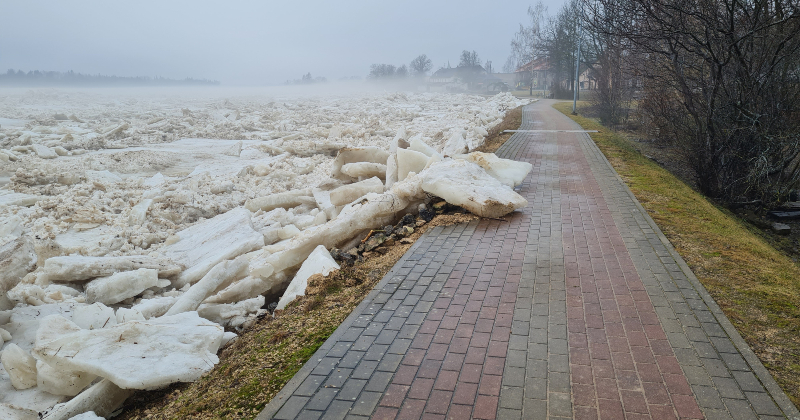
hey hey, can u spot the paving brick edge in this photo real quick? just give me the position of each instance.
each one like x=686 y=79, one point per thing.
x=283 y=395
x=763 y=375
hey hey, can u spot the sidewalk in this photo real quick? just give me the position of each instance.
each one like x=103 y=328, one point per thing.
x=575 y=307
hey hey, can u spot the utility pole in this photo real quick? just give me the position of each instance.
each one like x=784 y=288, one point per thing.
x=577 y=69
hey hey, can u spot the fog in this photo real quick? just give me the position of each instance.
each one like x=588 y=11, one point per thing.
x=251 y=42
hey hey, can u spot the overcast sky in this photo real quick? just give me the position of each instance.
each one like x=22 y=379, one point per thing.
x=252 y=42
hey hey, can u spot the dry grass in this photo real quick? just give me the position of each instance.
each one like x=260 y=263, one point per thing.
x=757 y=286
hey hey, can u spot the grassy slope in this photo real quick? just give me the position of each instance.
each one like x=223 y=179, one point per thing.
x=757 y=286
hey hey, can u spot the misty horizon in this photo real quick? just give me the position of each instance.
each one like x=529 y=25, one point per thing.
x=250 y=43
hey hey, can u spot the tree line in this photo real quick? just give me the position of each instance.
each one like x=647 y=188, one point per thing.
x=421 y=65
x=717 y=79
x=70 y=78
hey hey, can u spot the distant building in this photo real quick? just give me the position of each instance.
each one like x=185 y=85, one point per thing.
x=535 y=74
x=457 y=79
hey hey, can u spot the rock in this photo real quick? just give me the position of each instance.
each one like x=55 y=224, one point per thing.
x=231 y=314
x=349 y=193
x=404 y=231
x=138 y=213
x=94 y=316
x=781 y=229
x=425 y=214
x=20 y=366
x=410 y=161
x=44 y=152
x=79 y=268
x=374 y=241
x=216 y=279
x=509 y=172
x=318 y=262
x=59 y=382
x=138 y=354
x=17 y=258
x=439 y=207
x=210 y=242
x=356 y=154
x=120 y=286
x=467 y=185
x=362 y=170
x=285 y=200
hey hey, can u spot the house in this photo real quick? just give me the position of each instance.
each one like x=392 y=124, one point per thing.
x=456 y=79
x=534 y=74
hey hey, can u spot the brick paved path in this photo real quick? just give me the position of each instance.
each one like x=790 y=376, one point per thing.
x=575 y=307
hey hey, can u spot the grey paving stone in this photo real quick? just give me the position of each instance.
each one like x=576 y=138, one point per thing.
x=291 y=408
x=337 y=410
x=322 y=399
x=379 y=381
x=762 y=403
x=351 y=389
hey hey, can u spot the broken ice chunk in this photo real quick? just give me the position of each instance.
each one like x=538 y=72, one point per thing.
x=77 y=267
x=154 y=307
x=418 y=145
x=44 y=152
x=410 y=161
x=17 y=258
x=348 y=193
x=120 y=286
x=210 y=242
x=509 y=172
x=104 y=177
x=8 y=198
x=217 y=278
x=364 y=170
x=88 y=416
x=139 y=354
x=94 y=316
x=456 y=144
x=235 y=150
x=12 y=412
x=391 y=170
x=356 y=154
x=125 y=315
x=20 y=366
x=61 y=382
x=467 y=185
x=285 y=200
x=319 y=262
x=139 y=212
x=231 y=314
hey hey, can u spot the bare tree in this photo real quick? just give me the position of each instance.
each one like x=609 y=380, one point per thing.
x=488 y=67
x=421 y=65
x=469 y=59
x=527 y=44
x=382 y=71
x=401 y=72
x=725 y=77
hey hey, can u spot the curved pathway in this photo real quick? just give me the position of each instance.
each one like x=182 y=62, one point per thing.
x=575 y=307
